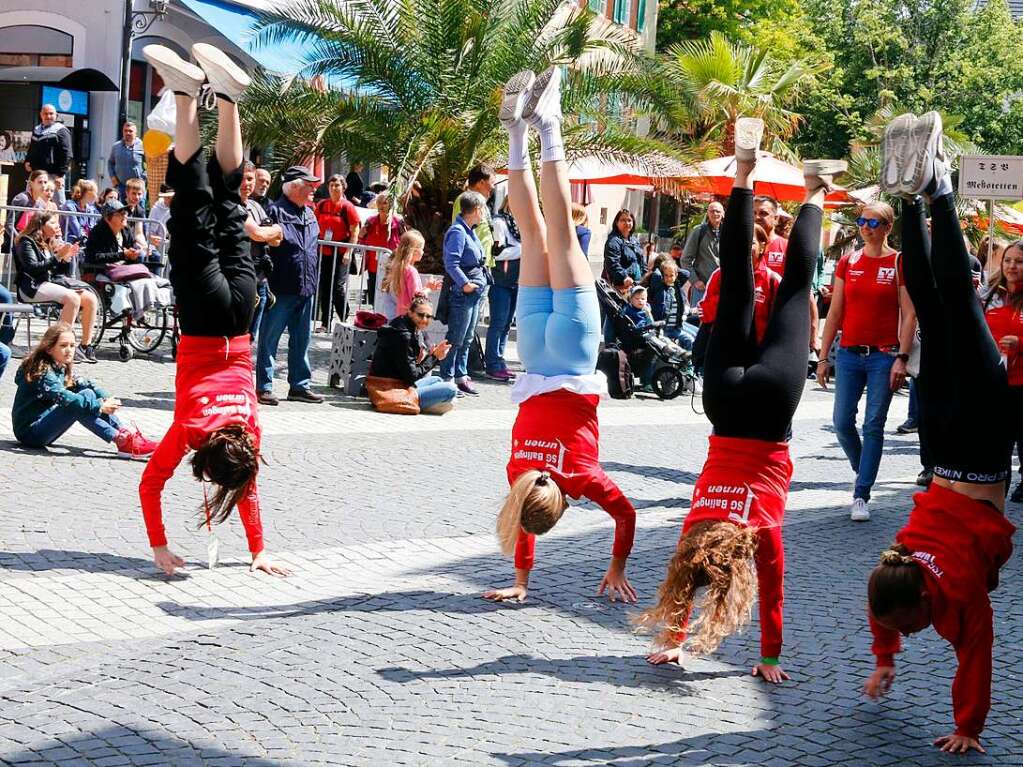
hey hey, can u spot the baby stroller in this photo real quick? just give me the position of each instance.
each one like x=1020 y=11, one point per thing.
x=673 y=372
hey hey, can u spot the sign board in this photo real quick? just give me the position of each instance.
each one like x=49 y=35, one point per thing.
x=991 y=177
x=65 y=100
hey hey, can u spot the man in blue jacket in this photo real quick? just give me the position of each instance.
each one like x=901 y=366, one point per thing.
x=293 y=281
x=464 y=263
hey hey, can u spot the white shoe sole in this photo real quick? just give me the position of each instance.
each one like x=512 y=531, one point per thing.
x=177 y=74
x=227 y=78
x=824 y=167
x=516 y=91
x=132 y=456
x=545 y=97
x=897 y=137
x=748 y=133
x=923 y=147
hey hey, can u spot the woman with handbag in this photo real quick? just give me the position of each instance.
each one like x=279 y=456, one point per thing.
x=399 y=376
x=216 y=415
x=43 y=262
x=872 y=308
x=555 y=439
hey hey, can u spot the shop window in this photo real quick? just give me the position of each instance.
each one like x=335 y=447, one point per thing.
x=28 y=45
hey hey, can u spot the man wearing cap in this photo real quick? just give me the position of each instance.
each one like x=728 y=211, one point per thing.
x=50 y=149
x=293 y=281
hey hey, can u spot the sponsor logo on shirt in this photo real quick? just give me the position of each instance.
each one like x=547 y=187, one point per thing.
x=929 y=561
x=227 y=404
x=885 y=275
x=550 y=453
x=737 y=500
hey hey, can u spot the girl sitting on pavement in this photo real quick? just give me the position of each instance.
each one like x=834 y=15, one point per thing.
x=214 y=279
x=50 y=399
x=731 y=542
x=555 y=439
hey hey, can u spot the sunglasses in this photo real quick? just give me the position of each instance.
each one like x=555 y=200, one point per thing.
x=873 y=223
x=423 y=315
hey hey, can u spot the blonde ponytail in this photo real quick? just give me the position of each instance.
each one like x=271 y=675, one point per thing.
x=534 y=504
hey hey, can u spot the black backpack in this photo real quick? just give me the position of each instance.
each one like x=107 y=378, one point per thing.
x=614 y=363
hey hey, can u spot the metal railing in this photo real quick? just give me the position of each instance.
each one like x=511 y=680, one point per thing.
x=343 y=252
x=7 y=256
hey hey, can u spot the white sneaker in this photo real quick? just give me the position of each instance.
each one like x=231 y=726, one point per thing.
x=859 y=511
x=516 y=92
x=441 y=409
x=894 y=148
x=177 y=74
x=749 y=131
x=925 y=158
x=544 y=102
x=822 y=173
x=228 y=79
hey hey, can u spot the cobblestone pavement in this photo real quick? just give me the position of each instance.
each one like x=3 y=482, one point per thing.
x=379 y=651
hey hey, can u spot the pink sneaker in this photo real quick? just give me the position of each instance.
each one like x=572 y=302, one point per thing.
x=132 y=444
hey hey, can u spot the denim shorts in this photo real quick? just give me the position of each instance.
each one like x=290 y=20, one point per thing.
x=558 y=330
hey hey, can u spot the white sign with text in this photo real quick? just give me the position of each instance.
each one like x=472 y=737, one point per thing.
x=991 y=177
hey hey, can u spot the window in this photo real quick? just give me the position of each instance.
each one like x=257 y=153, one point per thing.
x=621 y=11
x=641 y=16
x=28 y=45
x=597 y=6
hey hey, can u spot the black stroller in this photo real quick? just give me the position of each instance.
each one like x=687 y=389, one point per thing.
x=673 y=371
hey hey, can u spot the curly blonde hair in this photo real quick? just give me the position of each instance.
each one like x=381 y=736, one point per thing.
x=717 y=555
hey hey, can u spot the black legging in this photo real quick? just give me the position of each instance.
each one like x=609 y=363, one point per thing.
x=212 y=270
x=751 y=390
x=959 y=361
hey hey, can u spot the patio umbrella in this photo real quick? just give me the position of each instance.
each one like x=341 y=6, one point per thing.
x=774 y=178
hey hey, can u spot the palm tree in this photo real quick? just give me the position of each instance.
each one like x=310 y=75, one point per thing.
x=706 y=85
x=417 y=87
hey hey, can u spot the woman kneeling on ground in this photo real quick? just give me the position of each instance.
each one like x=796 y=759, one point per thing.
x=51 y=398
x=402 y=354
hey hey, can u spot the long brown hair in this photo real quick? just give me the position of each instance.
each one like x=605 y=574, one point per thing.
x=229 y=459
x=717 y=555
x=999 y=284
x=34 y=228
x=394 y=276
x=534 y=504
x=897 y=583
x=39 y=360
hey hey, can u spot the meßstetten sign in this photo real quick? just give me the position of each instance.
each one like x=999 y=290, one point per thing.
x=991 y=177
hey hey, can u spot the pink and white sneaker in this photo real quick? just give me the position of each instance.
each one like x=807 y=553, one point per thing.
x=133 y=445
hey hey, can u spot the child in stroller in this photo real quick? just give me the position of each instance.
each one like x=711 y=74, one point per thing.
x=663 y=365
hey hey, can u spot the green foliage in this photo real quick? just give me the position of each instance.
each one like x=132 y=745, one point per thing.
x=779 y=26
x=421 y=82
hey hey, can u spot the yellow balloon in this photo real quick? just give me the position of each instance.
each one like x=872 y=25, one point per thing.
x=155 y=143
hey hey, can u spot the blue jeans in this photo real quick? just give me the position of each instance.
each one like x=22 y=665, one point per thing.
x=559 y=330
x=52 y=424
x=502 y=310
x=684 y=335
x=855 y=373
x=257 y=317
x=914 y=403
x=296 y=314
x=434 y=390
x=463 y=314
x=5 y=357
x=6 y=320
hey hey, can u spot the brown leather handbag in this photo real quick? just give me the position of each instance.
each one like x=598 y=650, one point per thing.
x=392 y=395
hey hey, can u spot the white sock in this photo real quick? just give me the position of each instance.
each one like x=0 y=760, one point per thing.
x=944 y=186
x=518 y=146
x=551 y=147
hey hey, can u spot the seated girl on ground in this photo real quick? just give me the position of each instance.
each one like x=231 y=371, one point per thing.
x=51 y=399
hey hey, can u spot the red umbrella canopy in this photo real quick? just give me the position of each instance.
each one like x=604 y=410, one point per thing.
x=773 y=178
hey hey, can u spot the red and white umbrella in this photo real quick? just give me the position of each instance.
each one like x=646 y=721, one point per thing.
x=773 y=178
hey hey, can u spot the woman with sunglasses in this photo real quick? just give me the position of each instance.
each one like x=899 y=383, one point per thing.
x=402 y=354
x=871 y=308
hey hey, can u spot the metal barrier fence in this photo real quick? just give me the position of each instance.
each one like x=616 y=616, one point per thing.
x=343 y=253
x=7 y=270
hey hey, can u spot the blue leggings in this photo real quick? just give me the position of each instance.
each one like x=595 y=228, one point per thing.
x=559 y=330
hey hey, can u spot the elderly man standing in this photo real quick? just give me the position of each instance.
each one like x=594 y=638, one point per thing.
x=261 y=187
x=700 y=255
x=293 y=282
x=50 y=150
x=126 y=157
x=464 y=263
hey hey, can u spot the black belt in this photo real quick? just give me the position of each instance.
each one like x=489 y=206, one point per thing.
x=865 y=351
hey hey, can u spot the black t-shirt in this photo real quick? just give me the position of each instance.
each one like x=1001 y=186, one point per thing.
x=255 y=210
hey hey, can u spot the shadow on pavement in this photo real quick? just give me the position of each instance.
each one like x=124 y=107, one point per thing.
x=57 y=449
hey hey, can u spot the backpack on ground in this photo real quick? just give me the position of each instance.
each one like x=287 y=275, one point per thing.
x=614 y=363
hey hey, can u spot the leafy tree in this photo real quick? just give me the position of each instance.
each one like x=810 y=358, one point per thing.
x=418 y=83
x=776 y=25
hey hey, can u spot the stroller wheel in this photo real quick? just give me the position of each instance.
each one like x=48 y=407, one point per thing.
x=668 y=382
x=125 y=353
